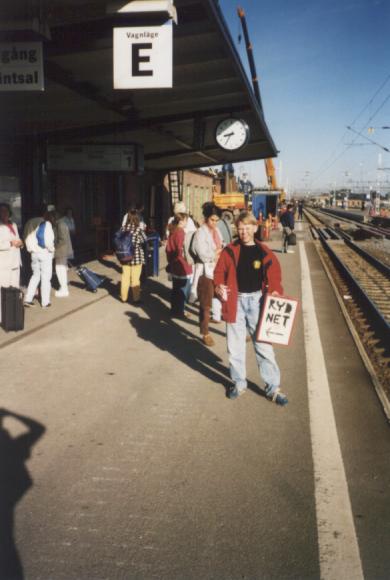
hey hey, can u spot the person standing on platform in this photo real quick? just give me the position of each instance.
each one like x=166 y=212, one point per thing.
x=10 y=244
x=63 y=253
x=131 y=271
x=287 y=221
x=139 y=208
x=69 y=220
x=300 y=210
x=179 y=268
x=39 y=240
x=245 y=271
x=225 y=230
x=207 y=247
x=180 y=207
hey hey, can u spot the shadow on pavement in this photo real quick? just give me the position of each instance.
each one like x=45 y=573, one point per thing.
x=110 y=264
x=166 y=334
x=15 y=481
x=162 y=331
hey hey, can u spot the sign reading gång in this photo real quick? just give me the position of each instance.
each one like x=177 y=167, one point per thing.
x=143 y=57
x=21 y=67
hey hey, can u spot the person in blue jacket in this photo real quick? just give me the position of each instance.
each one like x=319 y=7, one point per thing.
x=287 y=221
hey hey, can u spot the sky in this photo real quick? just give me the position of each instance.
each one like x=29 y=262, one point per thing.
x=323 y=66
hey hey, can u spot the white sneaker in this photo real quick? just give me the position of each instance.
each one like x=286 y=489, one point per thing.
x=61 y=293
x=290 y=251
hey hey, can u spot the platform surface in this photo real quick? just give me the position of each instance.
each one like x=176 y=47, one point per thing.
x=146 y=470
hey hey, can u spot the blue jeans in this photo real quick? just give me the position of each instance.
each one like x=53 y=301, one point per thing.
x=179 y=296
x=248 y=311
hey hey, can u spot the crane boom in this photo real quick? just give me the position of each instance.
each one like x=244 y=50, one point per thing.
x=271 y=174
x=269 y=165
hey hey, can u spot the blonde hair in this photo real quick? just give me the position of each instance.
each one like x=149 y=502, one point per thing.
x=246 y=217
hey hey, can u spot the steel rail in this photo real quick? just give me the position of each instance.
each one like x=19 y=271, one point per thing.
x=367 y=324
x=380 y=323
x=356 y=220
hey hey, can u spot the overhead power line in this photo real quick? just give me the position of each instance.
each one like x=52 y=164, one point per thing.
x=329 y=162
x=368 y=139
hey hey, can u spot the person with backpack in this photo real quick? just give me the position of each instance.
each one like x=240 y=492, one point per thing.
x=129 y=243
x=39 y=241
x=178 y=267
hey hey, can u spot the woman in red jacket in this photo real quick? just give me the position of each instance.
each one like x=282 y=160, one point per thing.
x=178 y=267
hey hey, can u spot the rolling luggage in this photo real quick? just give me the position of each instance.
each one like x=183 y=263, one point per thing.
x=12 y=309
x=91 y=279
x=292 y=239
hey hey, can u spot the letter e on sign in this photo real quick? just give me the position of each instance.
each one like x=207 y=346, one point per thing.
x=143 y=57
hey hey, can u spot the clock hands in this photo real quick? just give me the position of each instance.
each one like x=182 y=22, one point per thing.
x=228 y=135
x=231 y=134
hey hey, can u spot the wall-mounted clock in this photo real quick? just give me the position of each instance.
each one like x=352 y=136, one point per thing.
x=231 y=134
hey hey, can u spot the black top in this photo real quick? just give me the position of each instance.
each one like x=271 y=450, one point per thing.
x=249 y=272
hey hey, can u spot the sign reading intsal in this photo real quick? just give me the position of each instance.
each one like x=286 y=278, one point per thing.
x=143 y=57
x=277 y=320
x=21 y=67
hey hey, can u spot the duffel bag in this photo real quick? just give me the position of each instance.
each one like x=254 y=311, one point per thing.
x=292 y=239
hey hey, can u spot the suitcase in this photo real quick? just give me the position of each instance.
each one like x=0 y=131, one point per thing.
x=91 y=279
x=12 y=309
x=292 y=239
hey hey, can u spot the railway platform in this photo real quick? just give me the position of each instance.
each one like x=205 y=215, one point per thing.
x=141 y=467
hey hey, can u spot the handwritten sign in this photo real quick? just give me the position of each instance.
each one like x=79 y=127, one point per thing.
x=277 y=320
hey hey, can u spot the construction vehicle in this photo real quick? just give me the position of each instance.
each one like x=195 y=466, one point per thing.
x=226 y=196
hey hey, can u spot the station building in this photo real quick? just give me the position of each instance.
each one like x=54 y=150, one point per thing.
x=69 y=138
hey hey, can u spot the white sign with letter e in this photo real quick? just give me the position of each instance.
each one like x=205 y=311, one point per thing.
x=143 y=57
x=277 y=319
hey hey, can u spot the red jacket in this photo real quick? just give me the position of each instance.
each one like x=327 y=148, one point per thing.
x=226 y=273
x=174 y=249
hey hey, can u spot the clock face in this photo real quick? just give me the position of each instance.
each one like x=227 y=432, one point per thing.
x=232 y=134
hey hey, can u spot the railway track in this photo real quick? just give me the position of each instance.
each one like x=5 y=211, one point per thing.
x=357 y=220
x=362 y=286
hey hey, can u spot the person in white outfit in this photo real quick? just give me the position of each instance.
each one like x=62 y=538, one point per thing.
x=10 y=245
x=41 y=257
x=69 y=220
x=207 y=246
x=63 y=253
x=190 y=227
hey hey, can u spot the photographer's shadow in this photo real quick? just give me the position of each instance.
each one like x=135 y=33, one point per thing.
x=15 y=481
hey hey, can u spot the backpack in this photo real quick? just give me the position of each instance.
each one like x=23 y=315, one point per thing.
x=190 y=255
x=40 y=234
x=123 y=245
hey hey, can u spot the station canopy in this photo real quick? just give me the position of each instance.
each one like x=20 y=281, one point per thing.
x=175 y=125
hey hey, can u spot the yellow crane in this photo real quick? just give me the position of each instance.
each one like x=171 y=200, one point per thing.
x=269 y=164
